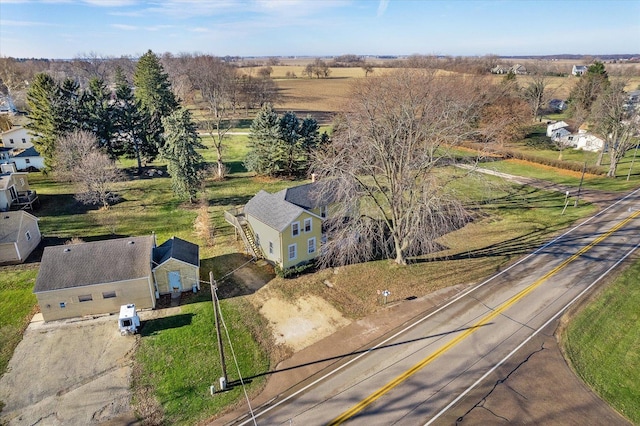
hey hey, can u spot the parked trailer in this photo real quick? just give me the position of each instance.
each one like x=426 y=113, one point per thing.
x=129 y=321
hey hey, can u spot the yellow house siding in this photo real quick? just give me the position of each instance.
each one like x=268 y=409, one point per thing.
x=301 y=240
x=138 y=291
x=265 y=235
x=189 y=275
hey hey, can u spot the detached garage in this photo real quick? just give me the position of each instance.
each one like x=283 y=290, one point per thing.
x=95 y=278
x=99 y=277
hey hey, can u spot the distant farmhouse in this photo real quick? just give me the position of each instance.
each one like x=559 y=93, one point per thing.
x=578 y=70
x=517 y=69
x=559 y=132
x=98 y=277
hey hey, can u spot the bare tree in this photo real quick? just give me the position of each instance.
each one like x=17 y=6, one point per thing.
x=383 y=165
x=80 y=160
x=616 y=123
x=368 y=69
x=535 y=93
x=216 y=81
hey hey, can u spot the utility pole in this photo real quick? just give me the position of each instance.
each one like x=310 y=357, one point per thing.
x=584 y=169
x=216 y=308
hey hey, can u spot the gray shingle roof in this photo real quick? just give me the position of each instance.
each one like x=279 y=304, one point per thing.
x=272 y=210
x=179 y=249
x=97 y=262
x=29 y=152
x=11 y=224
x=307 y=196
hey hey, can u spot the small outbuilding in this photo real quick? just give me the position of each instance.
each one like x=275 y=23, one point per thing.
x=19 y=236
x=176 y=266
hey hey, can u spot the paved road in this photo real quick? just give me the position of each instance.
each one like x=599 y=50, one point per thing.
x=419 y=375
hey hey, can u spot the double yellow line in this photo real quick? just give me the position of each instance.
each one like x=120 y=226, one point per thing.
x=485 y=320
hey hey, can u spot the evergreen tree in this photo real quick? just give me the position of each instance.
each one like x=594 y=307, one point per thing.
x=129 y=123
x=290 y=139
x=586 y=91
x=155 y=98
x=264 y=136
x=185 y=163
x=43 y=100
x=99 y=115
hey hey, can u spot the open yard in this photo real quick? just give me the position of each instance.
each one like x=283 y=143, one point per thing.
x=177 y=358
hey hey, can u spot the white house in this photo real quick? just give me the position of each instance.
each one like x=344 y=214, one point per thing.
x=578 y=70
x=553 y=128
x=17 y=137
x=588 y=142
x=26 y=159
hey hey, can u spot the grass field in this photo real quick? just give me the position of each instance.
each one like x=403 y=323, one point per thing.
x=603 y=344
x=177 y=359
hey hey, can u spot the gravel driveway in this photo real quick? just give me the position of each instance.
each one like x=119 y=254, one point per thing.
x=69 y=372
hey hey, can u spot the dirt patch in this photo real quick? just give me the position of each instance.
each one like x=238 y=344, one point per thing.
x=58 y=364
x=301 y=323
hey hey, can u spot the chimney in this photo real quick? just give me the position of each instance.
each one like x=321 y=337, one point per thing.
x=313 y=177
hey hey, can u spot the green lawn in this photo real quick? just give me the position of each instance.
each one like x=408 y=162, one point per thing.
x=603 y=344
x=177 y=359
x=17 y=303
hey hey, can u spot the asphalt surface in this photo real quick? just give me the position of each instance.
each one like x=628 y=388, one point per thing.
x=476 y=332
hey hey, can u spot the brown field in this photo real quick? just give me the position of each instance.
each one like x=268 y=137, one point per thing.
x=328 y=95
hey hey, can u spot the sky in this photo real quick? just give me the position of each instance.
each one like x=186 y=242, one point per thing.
x=64 y=29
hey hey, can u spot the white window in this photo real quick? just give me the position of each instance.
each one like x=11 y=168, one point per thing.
x=307 y=225
x=85 y=298
x=27 y=235
x=26 y=160
x=311 y=245
x=24 y=140
x=270 y=247
x=10 y=140
x=63 y=305
x=323 y=211
x=295 y=229
x=293 y=251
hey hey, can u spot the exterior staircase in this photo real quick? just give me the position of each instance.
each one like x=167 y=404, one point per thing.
x=236 y=218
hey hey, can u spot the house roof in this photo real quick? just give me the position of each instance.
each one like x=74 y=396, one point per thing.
x=6 y=178
x=98 y=262
x=12 y=130
x=307 y=196
x=272 y=210
x=558 y=125
x=11 y=224
x=179 y=249
x=29 y=152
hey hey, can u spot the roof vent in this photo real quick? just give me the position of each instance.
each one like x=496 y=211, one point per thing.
x=131 y=242
x=67 y=250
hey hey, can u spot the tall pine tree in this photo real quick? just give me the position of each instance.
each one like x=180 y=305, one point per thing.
x=43 y=101
x=185 y=163
x=155 y=99
x=264 y=143
x=129 y=123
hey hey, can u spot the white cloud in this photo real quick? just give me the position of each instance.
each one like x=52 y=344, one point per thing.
x=124 y=27
x=110 y=3
x=382 y=7
x=9 y=23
